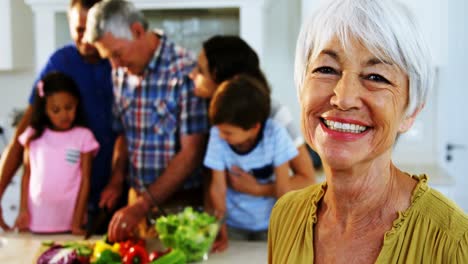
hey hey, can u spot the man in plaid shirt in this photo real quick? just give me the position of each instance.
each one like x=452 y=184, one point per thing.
x=163 y=124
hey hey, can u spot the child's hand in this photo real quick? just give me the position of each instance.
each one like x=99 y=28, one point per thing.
x=22 y=221
x=3 y=225
x=241 y=181
x=221 y=242
x=78 y=230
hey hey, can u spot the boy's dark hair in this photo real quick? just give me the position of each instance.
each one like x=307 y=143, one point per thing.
x=241 y=101
x=86 y=4
x=228 y=56
x=52 y=83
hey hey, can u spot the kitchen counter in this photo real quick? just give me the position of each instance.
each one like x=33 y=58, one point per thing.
x=22 y=249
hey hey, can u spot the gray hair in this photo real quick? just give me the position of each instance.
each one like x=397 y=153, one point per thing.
x=113 y=16
x=385 y=27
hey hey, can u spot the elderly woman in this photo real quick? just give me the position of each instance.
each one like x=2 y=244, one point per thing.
x=362 y=73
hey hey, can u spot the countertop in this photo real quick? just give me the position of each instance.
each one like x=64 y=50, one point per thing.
x=21 y=248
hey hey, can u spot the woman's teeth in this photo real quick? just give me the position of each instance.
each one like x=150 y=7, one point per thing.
x=344 y=127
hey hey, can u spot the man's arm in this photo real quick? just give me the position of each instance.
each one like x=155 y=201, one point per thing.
x=11 y=159
x=114 y=188
x=180 y=167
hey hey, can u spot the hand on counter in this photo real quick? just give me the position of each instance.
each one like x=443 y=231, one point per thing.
x=3 y=225
x=221 y=242
x=22 y=221
x=78 y=230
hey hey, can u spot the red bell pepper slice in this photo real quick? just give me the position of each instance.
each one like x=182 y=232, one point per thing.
x=136 y=254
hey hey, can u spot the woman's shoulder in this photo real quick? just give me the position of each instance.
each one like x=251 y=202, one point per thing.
x=442 y=211
x=297 y=200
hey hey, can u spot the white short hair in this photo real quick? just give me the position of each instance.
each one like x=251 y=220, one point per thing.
x=113 y=16
x=385 y=27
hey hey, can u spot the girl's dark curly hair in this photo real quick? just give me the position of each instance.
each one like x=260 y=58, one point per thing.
x=52 y=83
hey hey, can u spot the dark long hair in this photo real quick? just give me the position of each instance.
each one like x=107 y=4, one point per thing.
x=229 y=56
x=52 y=83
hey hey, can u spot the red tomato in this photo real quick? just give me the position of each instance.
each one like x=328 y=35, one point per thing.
x=136 y=254
x=153 y=256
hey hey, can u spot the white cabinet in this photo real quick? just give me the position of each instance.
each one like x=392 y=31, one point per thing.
x=11 y=200
x=15 y=41
x=251 y=19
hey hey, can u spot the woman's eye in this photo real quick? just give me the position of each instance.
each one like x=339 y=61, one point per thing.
x=324 y=70
x=377 y=78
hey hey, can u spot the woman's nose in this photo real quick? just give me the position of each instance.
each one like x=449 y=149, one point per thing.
x=347 y=93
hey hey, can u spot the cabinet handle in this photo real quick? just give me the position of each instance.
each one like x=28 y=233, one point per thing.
x=13 y=207
x=451 y=146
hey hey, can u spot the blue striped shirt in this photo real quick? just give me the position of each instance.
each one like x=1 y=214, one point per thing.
x=245 y=211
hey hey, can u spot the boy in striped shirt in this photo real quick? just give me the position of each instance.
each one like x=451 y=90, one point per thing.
x=243 y=138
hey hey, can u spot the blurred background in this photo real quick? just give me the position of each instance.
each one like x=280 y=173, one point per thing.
x=436 y=145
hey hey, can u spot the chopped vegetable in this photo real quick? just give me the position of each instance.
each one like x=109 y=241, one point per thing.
x=48 y=243
x=136 y=254
x=189 y=231
x=108 y=257
x=153 y=256
x=58 y=255
x=174 y=257
x=80 y=248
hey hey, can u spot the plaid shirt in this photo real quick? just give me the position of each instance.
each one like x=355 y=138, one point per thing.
x=155 y=110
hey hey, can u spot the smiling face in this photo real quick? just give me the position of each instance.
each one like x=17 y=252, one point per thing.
x=205 y=86
x=61 y=110
x=353 y=105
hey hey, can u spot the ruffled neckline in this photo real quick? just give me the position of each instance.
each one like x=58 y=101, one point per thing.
x=418 y=192
x=420 y=189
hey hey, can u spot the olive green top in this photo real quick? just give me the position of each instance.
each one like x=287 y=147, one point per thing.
x=432 y=230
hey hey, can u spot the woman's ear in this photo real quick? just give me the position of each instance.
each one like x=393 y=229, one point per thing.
x=137 y=30
x=407 y=123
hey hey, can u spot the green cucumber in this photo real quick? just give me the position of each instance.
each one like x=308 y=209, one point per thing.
x=174 y=257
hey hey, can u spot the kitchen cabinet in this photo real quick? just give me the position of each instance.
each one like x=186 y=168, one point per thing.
x=251 y=19
x=11 y=200
x=15 y=40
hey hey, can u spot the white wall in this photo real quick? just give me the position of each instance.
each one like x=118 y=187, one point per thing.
x=15 y=84
x=452 y=117
x=282 y=28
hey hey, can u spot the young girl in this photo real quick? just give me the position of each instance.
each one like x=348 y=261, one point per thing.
x=58 y=152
